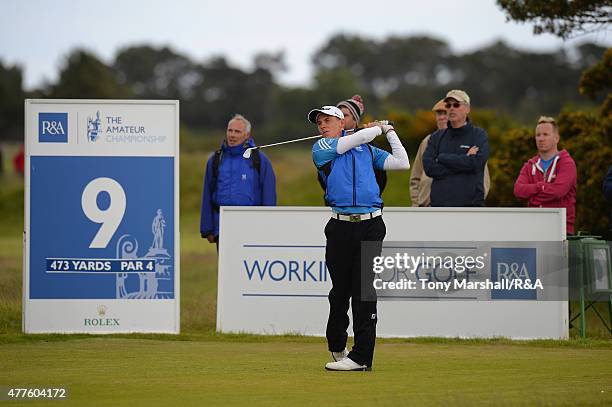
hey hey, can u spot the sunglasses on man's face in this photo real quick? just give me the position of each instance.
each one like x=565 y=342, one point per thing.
x=454 y=104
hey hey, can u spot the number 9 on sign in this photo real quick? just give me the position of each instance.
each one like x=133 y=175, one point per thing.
x=111 y=217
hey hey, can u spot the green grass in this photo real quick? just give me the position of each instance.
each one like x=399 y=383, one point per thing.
x=128 y=372
x=201 y=367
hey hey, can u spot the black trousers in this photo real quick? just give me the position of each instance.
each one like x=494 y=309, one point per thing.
x=343 y=257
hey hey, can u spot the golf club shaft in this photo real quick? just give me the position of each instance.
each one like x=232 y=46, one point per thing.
x=286 y=142
x=248 y=154
x=308 y=138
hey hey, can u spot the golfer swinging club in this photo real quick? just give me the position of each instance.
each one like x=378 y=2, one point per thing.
x=347 y=164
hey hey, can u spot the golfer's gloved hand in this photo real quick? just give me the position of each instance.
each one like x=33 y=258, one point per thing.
x=386 y=128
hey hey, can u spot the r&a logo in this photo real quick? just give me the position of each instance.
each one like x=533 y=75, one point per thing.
x=53 y=127
x=513 y=264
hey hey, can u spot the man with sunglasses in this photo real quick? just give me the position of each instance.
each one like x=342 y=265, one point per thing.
x=548 y=180
x=456 y=156
x=420 y=183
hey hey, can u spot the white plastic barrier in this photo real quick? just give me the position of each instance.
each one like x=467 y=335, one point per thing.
x=273 y=280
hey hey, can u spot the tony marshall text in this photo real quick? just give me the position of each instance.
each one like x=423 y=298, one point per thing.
x=425 y=284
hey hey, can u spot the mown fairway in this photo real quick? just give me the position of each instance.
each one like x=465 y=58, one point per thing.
x=289 y=371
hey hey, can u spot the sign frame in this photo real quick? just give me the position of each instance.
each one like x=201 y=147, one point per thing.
x=150 y=313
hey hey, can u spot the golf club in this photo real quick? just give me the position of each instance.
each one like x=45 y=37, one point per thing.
x=248 y=151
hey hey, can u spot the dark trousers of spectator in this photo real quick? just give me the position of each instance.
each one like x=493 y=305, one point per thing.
x=351 y=283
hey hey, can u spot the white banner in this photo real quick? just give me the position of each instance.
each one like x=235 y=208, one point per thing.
x=273 y=279
x=101 y=241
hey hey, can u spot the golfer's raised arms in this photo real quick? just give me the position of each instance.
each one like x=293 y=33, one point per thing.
x=398 y=159
x=327 y=149
x=358 y=138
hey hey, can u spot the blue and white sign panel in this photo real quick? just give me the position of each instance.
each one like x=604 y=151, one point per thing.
x=101 y=241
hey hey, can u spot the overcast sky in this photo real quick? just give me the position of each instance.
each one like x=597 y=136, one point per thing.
x=38 y=34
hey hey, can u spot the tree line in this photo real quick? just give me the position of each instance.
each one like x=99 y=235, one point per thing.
x=396 y=74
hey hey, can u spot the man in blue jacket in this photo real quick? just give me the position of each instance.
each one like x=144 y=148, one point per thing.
x=231 y=180
x=455 y=157
x=347 y=163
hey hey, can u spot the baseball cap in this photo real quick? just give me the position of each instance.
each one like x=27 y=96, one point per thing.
x=328 y=110
x=458 y=95
x=439 y=106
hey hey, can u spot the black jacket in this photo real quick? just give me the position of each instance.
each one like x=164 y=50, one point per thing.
x=607 y=185
x=457 y=177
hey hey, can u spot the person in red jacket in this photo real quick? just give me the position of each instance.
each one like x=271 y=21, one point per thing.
x=18 y=161
x=548 y=180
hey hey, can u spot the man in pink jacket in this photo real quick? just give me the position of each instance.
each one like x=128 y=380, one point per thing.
x=548 y=180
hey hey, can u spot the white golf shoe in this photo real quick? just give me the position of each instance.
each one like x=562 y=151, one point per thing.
x=346 y=364
x=338 y=356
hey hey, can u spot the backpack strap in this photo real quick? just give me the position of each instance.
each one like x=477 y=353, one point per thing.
x=215 y=175
x=256 y=160
x=215 y=168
